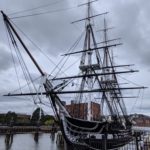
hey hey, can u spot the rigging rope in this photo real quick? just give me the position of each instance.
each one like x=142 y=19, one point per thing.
x=35 y=8
x=40 y=50
x=22 y=63
x=70 y=50
x=13 y=60
x=129 y=80
x=24 y=86
x=71 y=65
x=45 y=54
x=24 y=71
x=132 y=109
x=43 y=13
x=50 y=60
x=13 y=43
x=141 y=105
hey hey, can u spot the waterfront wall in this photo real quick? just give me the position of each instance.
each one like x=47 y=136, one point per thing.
x=26 y=129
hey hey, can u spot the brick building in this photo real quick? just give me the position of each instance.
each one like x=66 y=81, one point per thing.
x=81 y=110
x=141 y=120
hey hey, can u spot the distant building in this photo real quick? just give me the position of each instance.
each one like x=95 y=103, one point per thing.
x=95 y=111
x=23 y=118
x=81 y=110
x=141 y=120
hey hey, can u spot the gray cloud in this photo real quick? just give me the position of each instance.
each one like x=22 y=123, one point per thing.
x=5 y=58
x=19 y=105
x=132 y=21
x=54 y=33
x=48 y=30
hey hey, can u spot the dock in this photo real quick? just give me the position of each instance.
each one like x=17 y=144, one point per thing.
x=26 y=129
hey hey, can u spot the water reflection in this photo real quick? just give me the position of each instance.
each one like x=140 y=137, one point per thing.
x=8 y=140
x=27 y=142
x=36 y=137
x=52 y=136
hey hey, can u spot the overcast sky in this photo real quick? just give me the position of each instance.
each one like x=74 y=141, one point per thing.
x=54 y=34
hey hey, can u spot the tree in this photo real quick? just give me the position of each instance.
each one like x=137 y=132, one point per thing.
x=47 y=120
x=10 y=118
x=37 y=115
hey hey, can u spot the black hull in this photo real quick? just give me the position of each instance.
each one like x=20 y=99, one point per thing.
x=98 y=145
x=92 y=143
x=109 y=143
x=95 y=126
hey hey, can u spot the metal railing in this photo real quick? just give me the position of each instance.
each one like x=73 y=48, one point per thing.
x=140 y=142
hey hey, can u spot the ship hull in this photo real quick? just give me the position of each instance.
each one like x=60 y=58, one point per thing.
x=96 y=141
x=98 y=145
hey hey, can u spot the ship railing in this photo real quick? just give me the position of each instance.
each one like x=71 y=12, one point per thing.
x=82 y=128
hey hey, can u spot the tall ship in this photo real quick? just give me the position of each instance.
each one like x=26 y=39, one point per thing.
x=86 y=125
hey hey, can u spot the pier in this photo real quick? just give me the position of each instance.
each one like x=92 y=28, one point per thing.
x=25 y=129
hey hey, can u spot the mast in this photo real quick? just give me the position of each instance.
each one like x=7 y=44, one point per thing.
x=106 y=71
x=90 y=74
x=87 y=56
x=90 y=80
x=115 y=97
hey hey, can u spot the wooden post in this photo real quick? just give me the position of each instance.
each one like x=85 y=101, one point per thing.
x=8 y=139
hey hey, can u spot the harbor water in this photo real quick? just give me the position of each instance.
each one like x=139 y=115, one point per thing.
x=28 y=142
x=47 y=141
